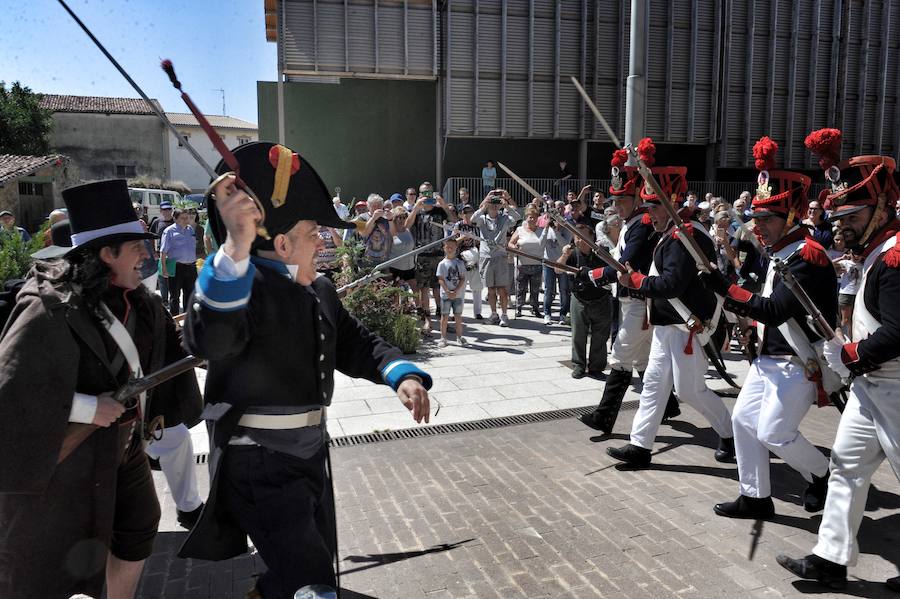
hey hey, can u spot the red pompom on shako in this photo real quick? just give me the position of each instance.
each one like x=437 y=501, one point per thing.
x=779 y=193
x=826 y=144
x=623 y=179
x=672 y=179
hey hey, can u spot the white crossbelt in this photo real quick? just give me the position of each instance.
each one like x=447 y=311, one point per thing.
x=123 y=340
x=281 y=421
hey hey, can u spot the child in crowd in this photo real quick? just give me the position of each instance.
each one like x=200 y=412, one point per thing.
x=451 y=274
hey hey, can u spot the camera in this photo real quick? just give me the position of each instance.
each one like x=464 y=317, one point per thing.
x=496 y=200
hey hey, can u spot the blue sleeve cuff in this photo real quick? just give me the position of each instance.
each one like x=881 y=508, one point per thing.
x=394 y=373
x=223 y=293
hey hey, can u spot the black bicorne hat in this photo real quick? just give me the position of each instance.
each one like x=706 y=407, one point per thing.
x=101 y=213
x=287 y=187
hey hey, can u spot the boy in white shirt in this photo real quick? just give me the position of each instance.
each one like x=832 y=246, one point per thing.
x=451 y=273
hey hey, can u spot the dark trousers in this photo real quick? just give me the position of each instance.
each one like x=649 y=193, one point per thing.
x=590 y=320
x=163 y=289
x=528 y=281
x=181 y=285
x=284 y=504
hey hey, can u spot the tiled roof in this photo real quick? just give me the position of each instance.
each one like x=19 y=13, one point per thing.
x=12 y=166
x=55 y=103
x=187 y=119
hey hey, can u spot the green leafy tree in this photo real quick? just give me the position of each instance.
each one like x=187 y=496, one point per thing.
x=15 y=254
x=24 y=125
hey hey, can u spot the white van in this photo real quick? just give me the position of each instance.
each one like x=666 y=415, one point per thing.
x=150 y=199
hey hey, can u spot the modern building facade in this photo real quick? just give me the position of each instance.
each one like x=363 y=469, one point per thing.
x=476 y=79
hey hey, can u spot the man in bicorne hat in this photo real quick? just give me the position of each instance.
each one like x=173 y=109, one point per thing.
x=274 y=332
x=863 y=190
x=788 y=375
x=82 y=325
x=631 y=347
x=683 y=314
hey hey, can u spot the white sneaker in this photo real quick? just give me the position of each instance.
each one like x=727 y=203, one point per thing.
x=547 y=319
x=443 y=342
x=462 y=341
x=494 y=319
x=504 y=321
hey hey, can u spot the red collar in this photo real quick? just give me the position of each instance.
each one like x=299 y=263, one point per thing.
x=887 y=231
x=796 y=235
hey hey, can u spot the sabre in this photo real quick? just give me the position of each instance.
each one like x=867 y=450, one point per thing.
x=755 y=534
x=375 y=274
x=684 y=236
x=77 y=433
x=165 y=120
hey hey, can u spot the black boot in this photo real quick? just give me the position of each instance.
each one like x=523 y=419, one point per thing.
x=893 y=584
x=672 y=409
x=725 y=452
x=813 y=567
x=188 y=519
x=751 y=508
x=603 y=418
x=814 y=495
x=630 y=454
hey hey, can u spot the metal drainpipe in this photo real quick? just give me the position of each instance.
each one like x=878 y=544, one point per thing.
x=636 y=88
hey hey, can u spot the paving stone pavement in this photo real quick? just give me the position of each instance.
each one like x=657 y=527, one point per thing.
x=539 y=510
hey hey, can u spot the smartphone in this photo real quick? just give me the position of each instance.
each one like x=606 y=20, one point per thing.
x=429 y=201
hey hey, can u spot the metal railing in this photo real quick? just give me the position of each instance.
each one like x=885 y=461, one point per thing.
x=730 y=190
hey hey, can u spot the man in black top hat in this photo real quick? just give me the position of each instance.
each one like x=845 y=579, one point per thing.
x=274 y=332
x=83 y=325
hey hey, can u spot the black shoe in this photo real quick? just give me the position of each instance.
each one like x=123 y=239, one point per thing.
x=814 y=495
x=813 y=567
x=630 y=454
x=751 y=508
x=605 y=414
x=725 y=452
x=536 y=313
x=577 y=373
x=154 y=464
x=518 y=313
x=189 y=519
x=479 y=317
x=672 y=409
x=893 y=584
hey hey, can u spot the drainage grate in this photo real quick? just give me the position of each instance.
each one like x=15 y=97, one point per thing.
x=460 y=427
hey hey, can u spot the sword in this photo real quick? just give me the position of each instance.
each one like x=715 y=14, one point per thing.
x=77 y=433
x=755 y=534
x=684 y=236
x=376 y=274
x=600 y=251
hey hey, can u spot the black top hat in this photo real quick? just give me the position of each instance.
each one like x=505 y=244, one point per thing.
x=101 y=213
x=287 y=187
x=61 y=234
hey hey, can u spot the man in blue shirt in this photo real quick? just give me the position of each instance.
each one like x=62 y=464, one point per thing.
x=178 y=245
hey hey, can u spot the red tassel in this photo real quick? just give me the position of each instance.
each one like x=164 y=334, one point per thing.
x=645 y=220
x=825 y=143
x=813 y=253
x=688 y=230
x=619 y=158
x=892 y=256
x=764 y=152
x=689 y=348
x=646 y=149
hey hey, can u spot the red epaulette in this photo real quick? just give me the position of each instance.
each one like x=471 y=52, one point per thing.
x=688 y=228
x=892 y=256
x=813 y=253
x=645 y=220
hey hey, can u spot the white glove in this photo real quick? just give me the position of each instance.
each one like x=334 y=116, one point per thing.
x=832 y=352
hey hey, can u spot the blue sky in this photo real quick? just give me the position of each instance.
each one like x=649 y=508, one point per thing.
x=212 y=45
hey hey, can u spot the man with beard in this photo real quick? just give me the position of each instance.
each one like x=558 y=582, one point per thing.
x=631 y=347
x=787 y=376
x=863 y=189
x=682 y=312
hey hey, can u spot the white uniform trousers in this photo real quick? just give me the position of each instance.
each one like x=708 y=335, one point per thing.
x=631 y=347
x=774 y=399
x=668 y=365
x=868 y=433
x=175 y=453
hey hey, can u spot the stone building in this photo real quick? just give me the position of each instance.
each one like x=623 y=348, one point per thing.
x=31 y=186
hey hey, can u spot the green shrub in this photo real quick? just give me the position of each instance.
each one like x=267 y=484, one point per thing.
x=15 y=254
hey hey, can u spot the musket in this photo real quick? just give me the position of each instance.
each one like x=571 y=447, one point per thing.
x=376 y=271
x=127 y=394
x=167 y=123
x=602 y=253
x=684 y=235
